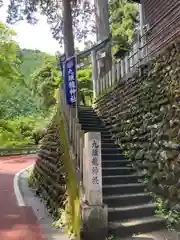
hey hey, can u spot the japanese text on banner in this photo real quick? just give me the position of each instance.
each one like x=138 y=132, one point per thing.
x=72 y=86
x=70 y=80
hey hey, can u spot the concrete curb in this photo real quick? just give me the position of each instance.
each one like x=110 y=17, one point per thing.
x=29 y=199
x=17 y=191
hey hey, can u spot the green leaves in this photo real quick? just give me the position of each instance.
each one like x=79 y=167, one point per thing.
x=45 y=81
x=27 y=9
x=16 y=98
x=31 y=61
x=20 y=130
x=85 y=87
x=9 y=71
x=123 y=19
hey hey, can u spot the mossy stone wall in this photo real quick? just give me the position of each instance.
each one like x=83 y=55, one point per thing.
x=143 y=114
x=54 y=178
x=48 y=175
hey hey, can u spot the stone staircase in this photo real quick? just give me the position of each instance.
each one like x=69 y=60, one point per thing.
x=130 y=207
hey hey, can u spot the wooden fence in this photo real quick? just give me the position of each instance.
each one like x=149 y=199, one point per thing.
x=126 y=66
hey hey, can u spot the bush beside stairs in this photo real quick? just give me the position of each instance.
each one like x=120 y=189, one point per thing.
x=130 y=206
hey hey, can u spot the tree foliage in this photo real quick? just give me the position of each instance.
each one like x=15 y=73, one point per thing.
x=45 y=81
x=123 y=21
x=32 y=77
x=83 y=21
x=19 y=110
x=22 y=130
x=17 y=98
x=9 y=71
x=85 y=87
x=31 y=61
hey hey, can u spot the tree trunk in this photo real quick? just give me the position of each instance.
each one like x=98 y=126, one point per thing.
x=68 y=29
x=102 y=32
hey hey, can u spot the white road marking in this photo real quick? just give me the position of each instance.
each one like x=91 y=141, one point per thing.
x=19 y=197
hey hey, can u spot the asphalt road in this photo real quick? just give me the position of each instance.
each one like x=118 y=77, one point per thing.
x=16 y=222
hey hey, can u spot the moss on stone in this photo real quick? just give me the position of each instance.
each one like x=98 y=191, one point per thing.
x=148 y=120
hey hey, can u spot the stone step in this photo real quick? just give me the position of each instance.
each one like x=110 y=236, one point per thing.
x=116 y=163
x=111 y=150
x=117 y=156
x=82 y=110
x=130 y=207
x=84 y=107
x=92 y=124
x=106 y=171
x=106 y=140
x=110 y=145
x=87 y=119
x=84 y=119
x=88 y=114
x=123 y=188
x=129 y=212
x=136 y=226
x=96 y=128
x=82 y=113
x=104 y=133
x=127 y=199
x=121 y=179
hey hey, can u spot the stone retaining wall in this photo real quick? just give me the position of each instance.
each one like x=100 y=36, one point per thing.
x=49 y=174
x=144 y=116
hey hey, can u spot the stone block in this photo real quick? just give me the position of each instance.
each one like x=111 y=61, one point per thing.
x=94 y=222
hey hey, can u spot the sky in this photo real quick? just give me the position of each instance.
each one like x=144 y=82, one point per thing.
x=34 y=36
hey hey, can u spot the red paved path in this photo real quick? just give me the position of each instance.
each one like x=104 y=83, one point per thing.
x=16 y=223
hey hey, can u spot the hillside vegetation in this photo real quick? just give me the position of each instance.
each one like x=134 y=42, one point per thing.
x=23 y=115
x=31 y=61
x=29 y=80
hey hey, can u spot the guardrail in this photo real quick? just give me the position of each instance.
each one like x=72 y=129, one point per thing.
x=23 y=150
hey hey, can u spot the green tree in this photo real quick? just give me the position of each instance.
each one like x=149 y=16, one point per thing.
x=85 y=87
x=31 y=61
x=123 y=21
x=9 y=62
x=16 y=96
x=17 y=101
x=65 y=18
x=45 y=81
